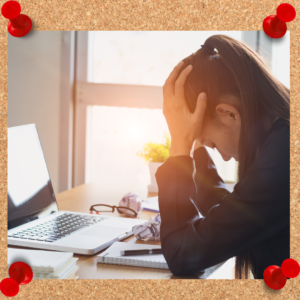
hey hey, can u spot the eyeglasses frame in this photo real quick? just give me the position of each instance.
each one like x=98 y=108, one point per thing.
x=113 y=209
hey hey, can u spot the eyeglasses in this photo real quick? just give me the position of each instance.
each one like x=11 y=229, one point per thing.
x=110 y=208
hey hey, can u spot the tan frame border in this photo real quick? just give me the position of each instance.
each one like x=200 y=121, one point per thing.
x=155 y=15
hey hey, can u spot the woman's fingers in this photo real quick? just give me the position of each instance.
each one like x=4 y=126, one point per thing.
x=168 y=88
x=198 y=114
x=200 y=108
x=179 y=86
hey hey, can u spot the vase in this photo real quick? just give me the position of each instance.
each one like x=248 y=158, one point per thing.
x=152 y=187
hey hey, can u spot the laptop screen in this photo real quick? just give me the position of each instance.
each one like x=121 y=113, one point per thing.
x=30 y=192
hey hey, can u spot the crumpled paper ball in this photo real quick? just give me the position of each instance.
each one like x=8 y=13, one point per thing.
x=149 y=231
x=131 y=200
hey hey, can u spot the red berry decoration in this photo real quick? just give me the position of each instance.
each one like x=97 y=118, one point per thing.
x=9 y=287
x=275 y=25
x=21 y=272
x=18 y=24
x=290 y=268
x=274 y=277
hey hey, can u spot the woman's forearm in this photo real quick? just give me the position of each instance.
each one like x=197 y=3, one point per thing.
x=211 y=189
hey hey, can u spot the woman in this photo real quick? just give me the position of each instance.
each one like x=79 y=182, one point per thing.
x=225 y=97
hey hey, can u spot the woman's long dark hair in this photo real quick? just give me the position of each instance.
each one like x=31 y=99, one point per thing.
x=235 y=69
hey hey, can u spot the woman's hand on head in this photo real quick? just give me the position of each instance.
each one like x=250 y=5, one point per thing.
x=184 y=126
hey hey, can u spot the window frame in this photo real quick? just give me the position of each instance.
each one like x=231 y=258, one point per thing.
x=66 y=110
x=80 y=110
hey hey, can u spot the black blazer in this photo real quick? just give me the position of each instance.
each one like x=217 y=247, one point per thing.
x=256 y=215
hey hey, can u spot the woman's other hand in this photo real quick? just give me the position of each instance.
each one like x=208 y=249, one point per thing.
x=184 y=126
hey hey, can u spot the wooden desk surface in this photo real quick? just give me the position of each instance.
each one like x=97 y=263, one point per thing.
x=80 y=199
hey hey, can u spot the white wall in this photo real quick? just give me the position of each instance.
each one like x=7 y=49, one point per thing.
x=34 y=65
x=281 y=59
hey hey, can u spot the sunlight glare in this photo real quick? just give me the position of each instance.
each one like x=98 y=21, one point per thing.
x=134 y=130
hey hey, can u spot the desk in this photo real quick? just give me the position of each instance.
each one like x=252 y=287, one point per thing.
x=80 y=199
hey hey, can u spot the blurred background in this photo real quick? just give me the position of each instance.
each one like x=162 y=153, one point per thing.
x=96 y=98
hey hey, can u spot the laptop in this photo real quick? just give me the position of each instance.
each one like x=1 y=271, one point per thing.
x=34 y=219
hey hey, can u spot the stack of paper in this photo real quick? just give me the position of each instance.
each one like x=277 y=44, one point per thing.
x=45 y=264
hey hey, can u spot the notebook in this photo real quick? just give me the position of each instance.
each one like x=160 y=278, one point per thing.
x=151 y=204
x=112 y=256
x=45 y=264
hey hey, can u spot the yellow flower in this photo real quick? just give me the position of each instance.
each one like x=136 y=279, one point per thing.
x=156 y=152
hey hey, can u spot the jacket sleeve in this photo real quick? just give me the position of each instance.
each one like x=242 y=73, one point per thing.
x=210 y=188
x=257 y=209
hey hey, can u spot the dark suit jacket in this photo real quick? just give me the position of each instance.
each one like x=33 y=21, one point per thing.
x=256 y=215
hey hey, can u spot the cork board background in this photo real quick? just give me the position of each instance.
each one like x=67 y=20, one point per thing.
x=155 y=15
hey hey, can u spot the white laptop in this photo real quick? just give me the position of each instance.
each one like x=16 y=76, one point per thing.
x=33 y=217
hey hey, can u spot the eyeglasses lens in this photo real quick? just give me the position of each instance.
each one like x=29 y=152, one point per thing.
x=126 y=211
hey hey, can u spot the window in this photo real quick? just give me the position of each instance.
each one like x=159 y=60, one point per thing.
x=116 y=135
x=141 y=57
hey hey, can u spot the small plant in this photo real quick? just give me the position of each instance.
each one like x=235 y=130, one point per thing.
x=156 y=152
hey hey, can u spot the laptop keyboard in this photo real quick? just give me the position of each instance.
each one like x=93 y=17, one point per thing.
x=57 y=228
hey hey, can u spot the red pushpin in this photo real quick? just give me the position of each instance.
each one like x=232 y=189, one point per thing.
x=290 y=268
x=9 y=287
x=275 y=26
x=18 y=24
x=21 y=272
x=275 y=277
